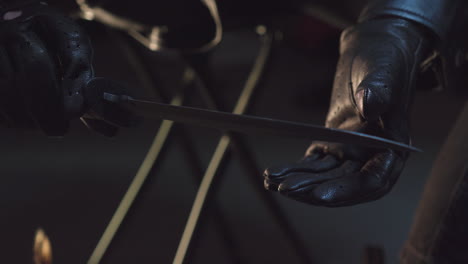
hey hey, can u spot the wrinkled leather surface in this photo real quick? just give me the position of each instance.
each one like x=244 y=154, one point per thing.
x=45 y=63
x=372 y=93
x=45 y=60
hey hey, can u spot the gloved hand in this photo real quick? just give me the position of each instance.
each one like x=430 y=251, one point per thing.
x=372 y=93
x=45 y=63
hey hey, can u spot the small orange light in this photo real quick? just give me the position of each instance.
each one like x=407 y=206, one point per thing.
x=42 y=248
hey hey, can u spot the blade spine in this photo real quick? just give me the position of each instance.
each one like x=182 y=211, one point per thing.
x=268 y=125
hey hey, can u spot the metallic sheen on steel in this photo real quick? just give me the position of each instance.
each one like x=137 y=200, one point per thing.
x=252 y=125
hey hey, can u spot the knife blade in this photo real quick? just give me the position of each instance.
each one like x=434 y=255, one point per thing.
x=252 y=124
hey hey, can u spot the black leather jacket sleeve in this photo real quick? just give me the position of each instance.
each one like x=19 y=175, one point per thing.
x=436 y=15
x=445 y=21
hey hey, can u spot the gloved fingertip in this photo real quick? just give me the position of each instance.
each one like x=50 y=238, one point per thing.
x=270 y=186
x=283 y=188
x=289 y=186
x=275 y=172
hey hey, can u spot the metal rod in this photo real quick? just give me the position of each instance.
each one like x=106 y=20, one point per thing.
x=206 y=185
x=148 y=164
x=133 y=190
x=221 y=222
x=247 y=160
x=145 y=168
x=199 y=202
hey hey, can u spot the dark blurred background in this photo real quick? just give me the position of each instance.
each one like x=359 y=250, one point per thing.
x=71 y=186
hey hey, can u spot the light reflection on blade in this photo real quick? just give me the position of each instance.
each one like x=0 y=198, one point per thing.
x=253 y=125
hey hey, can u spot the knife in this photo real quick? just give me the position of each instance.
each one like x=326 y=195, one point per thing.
x=251 y=124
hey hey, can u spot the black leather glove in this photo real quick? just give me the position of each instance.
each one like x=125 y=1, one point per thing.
x=372 y=94
x=45 y=63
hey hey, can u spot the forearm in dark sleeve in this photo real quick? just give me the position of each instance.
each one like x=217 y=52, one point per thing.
x=436 y=15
